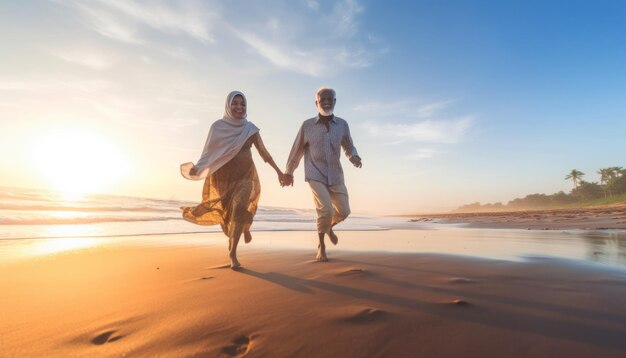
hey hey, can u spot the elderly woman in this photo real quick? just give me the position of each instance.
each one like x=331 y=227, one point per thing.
x=231 y=190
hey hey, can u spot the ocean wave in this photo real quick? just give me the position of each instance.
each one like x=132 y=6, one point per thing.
x=18 y=207
x=106 y=219
x=39 y=196
x=80 y=220
x=23 y=195
x=38 y=207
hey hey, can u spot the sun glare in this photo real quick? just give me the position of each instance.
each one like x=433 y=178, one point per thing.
x=77 y=162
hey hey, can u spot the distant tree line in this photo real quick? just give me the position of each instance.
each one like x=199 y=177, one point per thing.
x=612 y=183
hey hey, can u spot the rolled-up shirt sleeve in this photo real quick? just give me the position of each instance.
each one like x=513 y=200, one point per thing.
x=348 y=145
x=297 y=151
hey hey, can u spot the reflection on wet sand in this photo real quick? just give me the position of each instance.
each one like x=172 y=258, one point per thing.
x=606 y=247
x=64 y=238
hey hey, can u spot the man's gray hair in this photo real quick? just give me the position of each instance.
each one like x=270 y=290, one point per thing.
x=322 y=89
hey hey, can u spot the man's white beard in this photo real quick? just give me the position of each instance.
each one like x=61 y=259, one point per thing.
x=326 y=111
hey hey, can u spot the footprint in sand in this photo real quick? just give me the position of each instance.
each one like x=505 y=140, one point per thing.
x=239 y=347
x=459 y=302
x=461 y=280
x=366 y=315
x=106 y=337
x=225 y=266
x=352 y=272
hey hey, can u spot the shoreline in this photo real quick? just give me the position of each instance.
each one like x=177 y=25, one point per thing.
x=594 y=218
x=598 y=247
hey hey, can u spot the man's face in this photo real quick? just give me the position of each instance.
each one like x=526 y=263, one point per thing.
x=326 y=102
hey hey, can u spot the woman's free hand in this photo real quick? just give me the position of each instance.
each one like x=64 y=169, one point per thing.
x=193 y=171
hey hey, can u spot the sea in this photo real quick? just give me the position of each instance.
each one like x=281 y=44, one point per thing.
x=38 y=214
x=34 y=216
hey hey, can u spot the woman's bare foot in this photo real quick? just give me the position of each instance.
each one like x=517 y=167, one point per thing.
x=247 y=236
x=333 y=238
x=321 y=254
x=234 y=263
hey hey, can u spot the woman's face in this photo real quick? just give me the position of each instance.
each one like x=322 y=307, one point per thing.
x=238 y=107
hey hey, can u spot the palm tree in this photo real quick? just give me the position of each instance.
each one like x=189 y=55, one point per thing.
x=612 y=174
x=605 y=175
x=576 y=176
x=615 y=172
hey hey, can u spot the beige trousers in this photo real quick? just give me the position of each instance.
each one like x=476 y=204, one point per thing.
x=331 y=203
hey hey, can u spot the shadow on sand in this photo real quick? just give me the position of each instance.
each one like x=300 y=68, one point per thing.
x=512 y=313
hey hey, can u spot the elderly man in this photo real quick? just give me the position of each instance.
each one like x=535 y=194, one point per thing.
x=318 y=141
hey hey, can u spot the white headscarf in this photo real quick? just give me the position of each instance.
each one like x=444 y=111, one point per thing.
x=226 y=138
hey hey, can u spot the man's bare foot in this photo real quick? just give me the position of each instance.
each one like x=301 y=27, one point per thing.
x=234 y=263
x=247 y=236
x=321 y=254
x=333 y=238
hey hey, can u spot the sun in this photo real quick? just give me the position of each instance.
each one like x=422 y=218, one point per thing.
x=78 y=161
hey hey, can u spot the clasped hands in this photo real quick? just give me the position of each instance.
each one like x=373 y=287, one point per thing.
x=285 y=179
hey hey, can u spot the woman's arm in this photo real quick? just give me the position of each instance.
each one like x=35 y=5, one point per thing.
x=265 y=154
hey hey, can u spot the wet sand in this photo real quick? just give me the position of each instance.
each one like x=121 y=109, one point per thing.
x=163 y=296
x=597 y=218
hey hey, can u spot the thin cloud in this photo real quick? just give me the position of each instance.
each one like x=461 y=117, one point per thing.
x=345 y=17
x=313 y=4
x=106 y=24
x=316 y=62
x=404 y=108
x=181 y=108
x=277 y=55
x=352 y=58
x=23 y=86
x=179 y=53
x=48 y=86
x=324 y=54
x=286 y=43
x=122 y=20
x=129 y=114
x=427 y=131
x=401 y=108
x=423 y=153
x=186 y=19
x=89 y=58
x=428 y=110
x=342 y=18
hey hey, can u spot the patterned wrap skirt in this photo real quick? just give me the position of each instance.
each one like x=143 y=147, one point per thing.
x=230 y=196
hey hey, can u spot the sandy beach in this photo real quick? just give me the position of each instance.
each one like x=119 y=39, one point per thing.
x=164 y=296
x=594 y=218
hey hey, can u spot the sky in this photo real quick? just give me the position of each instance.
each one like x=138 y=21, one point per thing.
x=448 y=102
